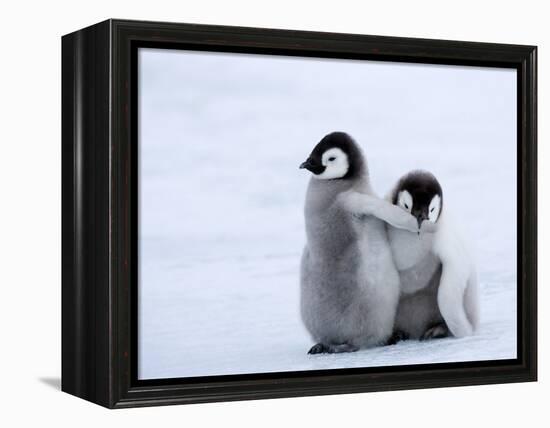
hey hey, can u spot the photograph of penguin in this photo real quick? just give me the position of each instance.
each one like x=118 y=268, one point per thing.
x=349 y=282
x=247 y=262
x=438 y=282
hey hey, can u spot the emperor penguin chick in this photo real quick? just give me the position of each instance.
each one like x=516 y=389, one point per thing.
x=349 y=283
x=439 y=288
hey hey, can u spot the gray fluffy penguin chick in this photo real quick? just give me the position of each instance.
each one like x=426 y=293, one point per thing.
x=349 y=283
x=439 y=289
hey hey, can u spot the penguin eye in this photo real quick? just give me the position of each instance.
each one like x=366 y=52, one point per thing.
x=331 y=159
x=406 y=206
x=432 y=210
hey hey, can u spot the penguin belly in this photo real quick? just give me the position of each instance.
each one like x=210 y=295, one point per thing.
x=379 y=284
x=418 y=311
x=352 y=298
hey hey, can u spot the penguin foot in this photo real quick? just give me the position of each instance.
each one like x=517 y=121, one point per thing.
x=397 y=336
x=321 y=348
x=437 y=331
x=318 y=348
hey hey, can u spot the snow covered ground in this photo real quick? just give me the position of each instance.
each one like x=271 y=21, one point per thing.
x=221 y=199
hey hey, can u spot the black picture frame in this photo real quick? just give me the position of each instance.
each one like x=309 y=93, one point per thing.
x=99 y=213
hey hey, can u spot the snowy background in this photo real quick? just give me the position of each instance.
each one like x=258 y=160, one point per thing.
x=221 y=198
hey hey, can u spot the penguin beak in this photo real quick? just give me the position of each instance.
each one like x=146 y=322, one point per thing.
x=308 y=164
x=312 y=166
x=418 y=213
x=420 y=217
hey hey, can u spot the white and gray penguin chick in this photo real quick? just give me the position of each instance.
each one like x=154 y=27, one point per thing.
x=349 y=283
x=439 y=288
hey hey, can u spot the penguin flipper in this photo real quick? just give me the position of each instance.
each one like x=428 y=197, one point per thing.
x=457 y=296
x=450 y=300
x=471 y=301
x=362 y=204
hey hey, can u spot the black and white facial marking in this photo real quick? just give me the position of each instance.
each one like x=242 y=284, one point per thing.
x=336 y=156
x=420 y=193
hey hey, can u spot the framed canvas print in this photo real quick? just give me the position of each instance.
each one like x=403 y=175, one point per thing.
x=253 y=213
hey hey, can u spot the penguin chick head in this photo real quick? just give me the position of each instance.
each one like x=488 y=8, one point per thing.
x=420 y=194
x=336 y=156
